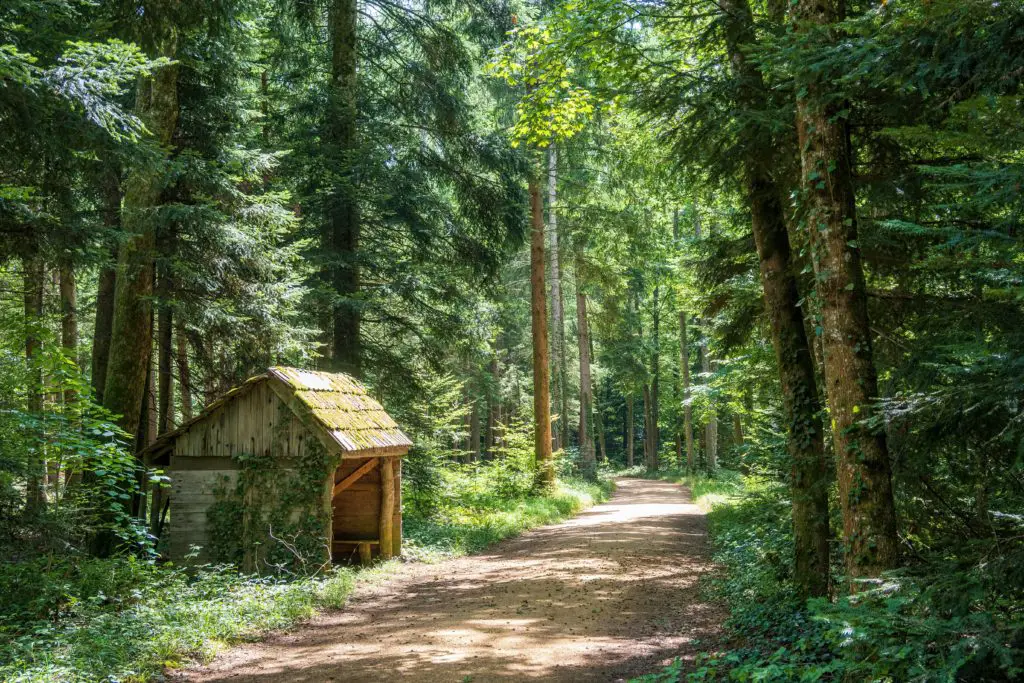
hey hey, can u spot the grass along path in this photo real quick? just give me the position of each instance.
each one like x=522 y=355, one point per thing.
x=609 y=594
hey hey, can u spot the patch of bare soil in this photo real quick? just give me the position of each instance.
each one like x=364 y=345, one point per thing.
x=607 y=595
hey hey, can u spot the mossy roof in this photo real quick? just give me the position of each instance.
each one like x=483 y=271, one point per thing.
x=344 y=409
x=332 y=402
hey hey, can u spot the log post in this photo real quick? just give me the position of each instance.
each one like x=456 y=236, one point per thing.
x=365 y=554
x=387 y=506
x=396 y=516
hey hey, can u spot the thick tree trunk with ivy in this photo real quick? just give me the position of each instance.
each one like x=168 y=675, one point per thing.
x=342 y=230
x=809 y=479
x=588 y=459
x=865 y=487
x=132 y=328
x=559 y=371
x=539 y=317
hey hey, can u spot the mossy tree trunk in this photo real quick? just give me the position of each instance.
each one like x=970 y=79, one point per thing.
x=559 y=372
x=865 y=487
x=809 y=479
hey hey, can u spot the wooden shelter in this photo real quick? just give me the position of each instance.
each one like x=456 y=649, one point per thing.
x=293 y=467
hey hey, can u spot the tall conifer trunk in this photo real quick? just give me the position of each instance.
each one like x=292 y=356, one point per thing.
x=684 y=364
x=342 y=229
x=110 y=190
x=539 y=318
x=587 y=457
x=809 y=479
x=629 y=431
x=184 y=371
x=865 y=487
x=33 y=278
x=559 y=372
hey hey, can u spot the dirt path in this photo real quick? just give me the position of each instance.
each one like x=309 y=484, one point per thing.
x=607 y=595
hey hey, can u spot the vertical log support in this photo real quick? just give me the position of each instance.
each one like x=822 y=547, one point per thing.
x=396 y=513
x=387 y=506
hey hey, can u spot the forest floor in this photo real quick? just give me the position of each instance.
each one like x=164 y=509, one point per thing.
x=610 y=594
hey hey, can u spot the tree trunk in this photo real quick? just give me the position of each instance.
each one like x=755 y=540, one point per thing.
x=493 y=406
x=165 y=373
x=343 y=229
x=559 y=372
x=538 y=310
x=104 y=320
x=587 y=458
x=69 y=320
x=602 y=446
x=132 y=328
x=34 y=275
x=184 y=372
x=684 y=364
x=629 y=431
x=809 y=479
x=655 y=377
x=711 y=426
x=474 y=432
x=648 y=442
x=865 y=486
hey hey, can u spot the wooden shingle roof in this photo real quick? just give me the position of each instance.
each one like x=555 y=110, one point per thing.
x=334 y=405
x=341 y=406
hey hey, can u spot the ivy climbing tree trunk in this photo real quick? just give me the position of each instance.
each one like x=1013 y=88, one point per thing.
x=132 y=327
x=559 y=372
x=865 y=487
x=539 y=317
x=342 y=229
x=809 y=479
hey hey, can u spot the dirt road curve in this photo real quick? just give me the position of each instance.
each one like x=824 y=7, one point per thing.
x=605 y=596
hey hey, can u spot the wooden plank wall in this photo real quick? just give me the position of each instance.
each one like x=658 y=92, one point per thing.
x=192 y=493
x=357 y=508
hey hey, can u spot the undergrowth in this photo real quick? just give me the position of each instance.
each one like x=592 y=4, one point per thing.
x=87 y=620
x=955 y=614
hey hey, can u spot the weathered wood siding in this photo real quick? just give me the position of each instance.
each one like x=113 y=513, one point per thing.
x=192 y=494
x=248 y=424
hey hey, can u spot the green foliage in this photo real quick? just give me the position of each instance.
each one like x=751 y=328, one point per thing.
x=87 y=620
x=946 y=617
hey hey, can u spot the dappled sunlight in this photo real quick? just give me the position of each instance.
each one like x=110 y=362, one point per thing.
x=607 y=595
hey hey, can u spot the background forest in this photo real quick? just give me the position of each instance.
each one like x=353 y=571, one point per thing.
x=773 y=248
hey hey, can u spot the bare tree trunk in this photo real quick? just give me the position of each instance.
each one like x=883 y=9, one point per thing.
x=34 y=275
x=684 y=364
x=559 y=372
x=184 y=372
x=655 y=377
x=539 y=315
x=648 y=429
x=343 y=228
x=104 y=320
x=587 y=458
x=602 y=446
x=629 y=431
x=165 y=372
x=865 y=486
x=474 y=431
x=494 y=405
x=711 y=426
x=69 y=320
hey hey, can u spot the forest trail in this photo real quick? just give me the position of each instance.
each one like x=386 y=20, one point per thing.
x=607 y=595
